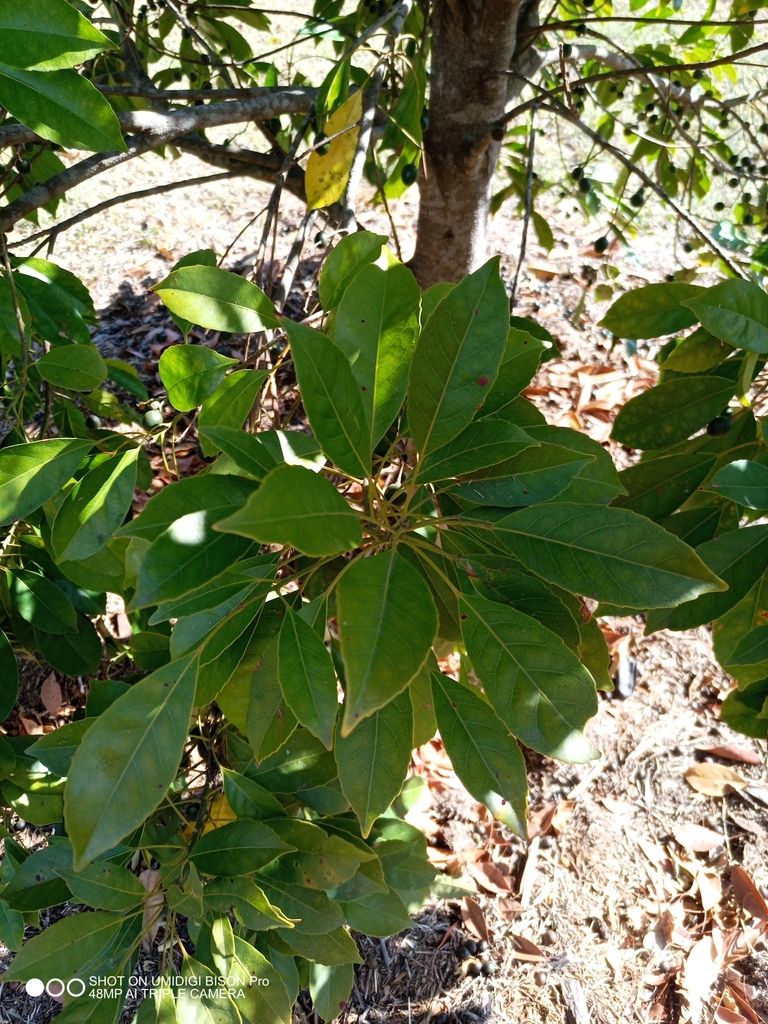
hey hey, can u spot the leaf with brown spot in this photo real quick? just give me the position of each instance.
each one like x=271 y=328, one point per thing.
x=714 y=779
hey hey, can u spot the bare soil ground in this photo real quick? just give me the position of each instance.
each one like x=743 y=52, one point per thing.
x=638 y=897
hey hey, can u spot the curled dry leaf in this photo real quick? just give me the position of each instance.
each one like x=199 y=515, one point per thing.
x=474 y=918
x=714 y=779
x=490 y=877
x=51 y=695
x=540 y=821
x=733 y=752
x=725 y=1016
x=527 y=950
x=697 y=838
x=151 y=880
x=699 y=975
x=748 y=894
x=563 y=814
x=710 y=889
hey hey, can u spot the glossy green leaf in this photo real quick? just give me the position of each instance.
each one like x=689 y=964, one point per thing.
x=307 y=677
x=330 y=988
x=249 y=904
x=230 y=403
x=216 y=299
x=303 y=763
x=334 y=948
x=697 y=525
x=432 y=297
x=11 y=927
x=739 y=558
x=745 y=710
x=652 y=311
x=44 y=35
x=73 y=653
x=743 y=481
x=422 y=704
x=126 y=376
x=598 y=482
x=745 y=619
x=332 y=399
x=606 y=553
x=95 y=507
x=656 y=487
x=300 y=509
x=9 y=677
x=40 y=602
x=537 y=474
x=36 y=884
x=322 y=861
x=61 y=106
x=387 y=622
x=75 y=367
x=312 y=910
x=735 y=311
x=537 y=686
x=34 y=808
x=60 y=305
x=31 y=474
x=379 y=914
x=483 y=443
x=199 y=1003
x=671 y=412
x=56 y=749
x=698 y=352
x=70 y=948
x=10 y=334
x=594 y=653
x=517 y=369
x=344 y=262
x=457 y=358
x=263 y=1003
x=483 y=753
x=373 y=761
x=248 y=799
x=138 y=738
x=376 y=328
x=258 y=454
x=237 y=848
x=194 y=494
x=161 y=1008
x=191 y=373
x=105 y=886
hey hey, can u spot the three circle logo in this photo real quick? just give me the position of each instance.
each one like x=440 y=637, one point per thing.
x=55 y=987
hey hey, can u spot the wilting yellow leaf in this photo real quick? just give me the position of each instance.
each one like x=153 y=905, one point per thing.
x=327 y=175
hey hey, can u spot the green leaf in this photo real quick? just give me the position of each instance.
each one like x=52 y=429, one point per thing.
x=432 y=298
x=424 y=723
x=344 y=262
x=61 y=106
x=313 y=911
x=379 y=914
x=483 y=443
x=656 y=487
x=303 y=763
x=191 y=373
x=126 y=377
x=535 y=475
x=217 y=300
x=266 y=1002
x=34 y=808
x=330 y=988
x=40 y=602
x=606 y=553
x=248 y=902
x=56 y=749
x=59 y=303
x=104 y=886
x=11 y=927
x=457 y=358
x=258 y=454
x=743 y=481
x=652 y=311
x=518 y=367
x=536 y=685
x=139 y=738
x=697 y=525
x=376 y=327
x=70 y=948
x=387 y=623
x=230 y=403
x=594 y=653
x=10 y=336
x=333 y=948
x=300 y=509
x=671 y=412
x=73 y=653
x=744 y=620
x=75 y=367
x=248 y=799
x=237 y=848
x=483 y=753
x=598 y=482
x=739 y=558
x=36 y=884
x=44 y=35
x=744 y=710
x=9 y=677
x=736 y=312
x=373 y=761
x=322 y=861
x=95 y=507
x=31 y=474
x=307 y=677
x=332 y=399
x=698 y=352
x=194 y=494
x=198 y=1003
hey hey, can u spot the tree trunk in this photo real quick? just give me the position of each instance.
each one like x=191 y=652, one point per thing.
x=474 y=42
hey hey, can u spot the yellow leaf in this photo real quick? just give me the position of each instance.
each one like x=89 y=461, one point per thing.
x=714 y=779
x=220 y=814
x=326 y=176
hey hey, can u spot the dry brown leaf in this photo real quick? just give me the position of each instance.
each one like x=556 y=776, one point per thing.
x=540 y=822
x=748 y=895
x=616 y=806
x=563 y=814
x=656 y=854
x=31 y=727
x=510 y=908
x=527 y=950
x=710 y=889
x=51 y=695
x=733 y=752
x=697 y=838
x=714 y=779
x=153 y=905
x=474 y=919
x=699 y=975
x=726 y=1016
x=490 y=877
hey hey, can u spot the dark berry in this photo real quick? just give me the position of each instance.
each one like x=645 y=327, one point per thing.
x=687 y=247
x=764 y=127
x=424 y=120
x=471 y=945
x=320 y=238
x=568 y=50
x=637 y=199
x=747 y=219
x=585 y=185
x=580 y=30
x=489 y=968
x=463 y=953
x=482 y=946
x=747 y=197
x=497 y=134
x=601 y=244
x=719 y=426
x=319 y=140
x=92 y=422
x=409 y=174
x=577 y=173
x=23 y=166
x=719 y=206
x=733 y=182
x=733 y=160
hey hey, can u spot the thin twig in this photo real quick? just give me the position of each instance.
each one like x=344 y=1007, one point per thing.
x=528 y=206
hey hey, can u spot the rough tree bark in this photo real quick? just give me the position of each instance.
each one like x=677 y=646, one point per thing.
x=474 y=43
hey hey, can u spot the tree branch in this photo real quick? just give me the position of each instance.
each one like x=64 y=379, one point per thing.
x=265 y=166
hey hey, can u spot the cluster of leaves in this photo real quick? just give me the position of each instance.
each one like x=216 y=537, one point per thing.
x=425 y=506
x=711 y=489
